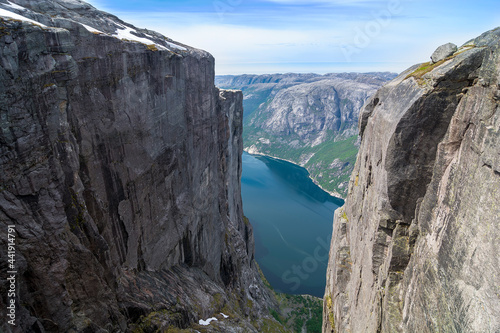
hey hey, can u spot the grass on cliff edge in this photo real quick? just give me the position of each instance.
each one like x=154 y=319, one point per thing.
x=428 y=66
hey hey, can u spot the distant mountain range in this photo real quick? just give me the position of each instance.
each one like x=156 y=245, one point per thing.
x=308 y=119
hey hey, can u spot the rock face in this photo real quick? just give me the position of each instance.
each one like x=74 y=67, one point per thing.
x=443 y=52
x=120 y=170
x=308 y=119
x=416 y=246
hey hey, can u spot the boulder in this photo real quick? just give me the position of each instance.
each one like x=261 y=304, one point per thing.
x=443 y=52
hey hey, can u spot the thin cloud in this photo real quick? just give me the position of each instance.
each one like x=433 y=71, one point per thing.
x=293 y=35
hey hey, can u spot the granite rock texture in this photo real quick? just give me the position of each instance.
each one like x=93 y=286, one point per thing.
x=443 y=52
x=120 y=169
x=416 y=246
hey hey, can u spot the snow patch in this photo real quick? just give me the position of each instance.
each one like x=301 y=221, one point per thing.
x=223 y=315
x=172 y=45
x=90 y=28
x=6 y=13
x=207 y=322
x=126 y=33
x=175 y=46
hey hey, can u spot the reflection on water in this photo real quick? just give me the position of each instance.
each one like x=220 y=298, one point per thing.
x=292 y=219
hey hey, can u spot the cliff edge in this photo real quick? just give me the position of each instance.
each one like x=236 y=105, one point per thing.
x=416 y=246
x=120 y=176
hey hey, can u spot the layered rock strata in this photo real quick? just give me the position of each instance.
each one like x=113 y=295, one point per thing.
x=416 y=247
x=120 y=170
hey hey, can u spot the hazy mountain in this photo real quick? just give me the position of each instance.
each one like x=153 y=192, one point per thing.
x=308 y=119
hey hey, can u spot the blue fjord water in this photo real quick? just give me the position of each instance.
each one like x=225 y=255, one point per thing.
x=292 y=220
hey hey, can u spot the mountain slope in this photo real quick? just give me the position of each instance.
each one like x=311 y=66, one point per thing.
x=308 y=119
x=120 y=176
x=415 y=248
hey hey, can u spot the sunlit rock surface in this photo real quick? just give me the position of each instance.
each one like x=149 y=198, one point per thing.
x=416 y=247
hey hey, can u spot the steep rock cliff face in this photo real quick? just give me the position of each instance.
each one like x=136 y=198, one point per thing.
x=416 y=246
x=308 y=119
x=120 y=169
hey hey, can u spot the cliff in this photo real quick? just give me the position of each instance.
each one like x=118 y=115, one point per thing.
x=308 y=119
x=120 y=172
x=415 y=248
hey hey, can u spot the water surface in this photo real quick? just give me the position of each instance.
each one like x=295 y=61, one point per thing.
x=292 y=219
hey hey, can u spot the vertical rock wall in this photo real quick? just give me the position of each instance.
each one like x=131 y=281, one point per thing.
x=120 y=169
x=416 y=247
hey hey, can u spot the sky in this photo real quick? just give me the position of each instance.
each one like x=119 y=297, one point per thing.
x=315 y=36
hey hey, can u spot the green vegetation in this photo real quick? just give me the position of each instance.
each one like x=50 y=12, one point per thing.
x=424 y=69
x=245 y=220
x=271 y=326
x=251 y=104
x=155 y=320
x=329 y=306
x=301 y=310
x=428 y=66
x=332 y=177
x=277 y=316
x=295 y=311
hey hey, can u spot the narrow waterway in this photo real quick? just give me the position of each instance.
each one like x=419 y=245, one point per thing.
x=292 y=219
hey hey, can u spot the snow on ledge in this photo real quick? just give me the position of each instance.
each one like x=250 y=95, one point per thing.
x=126 y=33
x=9 y=14
x=90 y=28
x=175 y=46
x=207 y=322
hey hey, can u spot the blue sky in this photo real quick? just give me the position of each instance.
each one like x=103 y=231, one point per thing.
x=320 y=36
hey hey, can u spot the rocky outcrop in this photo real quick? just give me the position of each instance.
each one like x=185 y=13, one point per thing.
x=120 y=170
x=308 y=119
x=415 y=248
x=443 y=52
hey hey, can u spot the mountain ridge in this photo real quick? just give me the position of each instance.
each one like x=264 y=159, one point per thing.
x=306 y=119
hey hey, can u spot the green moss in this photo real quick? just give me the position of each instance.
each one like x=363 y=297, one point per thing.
x=428 y=67
x=276 y=316
x=152 y=47
x=155 y=322
x=328 y=301
x=76 y=211
x=217 y=302
x=172 y=329
x=3 y=30
x=271 y=326
x=331 y=320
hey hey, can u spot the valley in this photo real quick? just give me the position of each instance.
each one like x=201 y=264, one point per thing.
x=308 y=119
